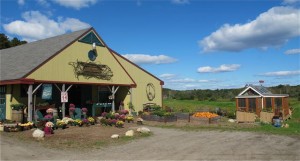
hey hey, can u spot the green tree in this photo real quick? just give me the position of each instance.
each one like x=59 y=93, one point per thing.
x=4 y=41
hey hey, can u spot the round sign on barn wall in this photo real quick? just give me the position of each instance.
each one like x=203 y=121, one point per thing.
x=150 y=91
x=92 y=55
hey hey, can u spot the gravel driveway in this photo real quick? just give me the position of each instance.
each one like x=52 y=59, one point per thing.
x=171 y=144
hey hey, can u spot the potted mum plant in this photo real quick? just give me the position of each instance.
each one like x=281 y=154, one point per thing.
x=71 y=110
x=119 y=124
x=61 y=124
x=84 y=111
x=91 y=120
x=129 y=119
x=85 y=122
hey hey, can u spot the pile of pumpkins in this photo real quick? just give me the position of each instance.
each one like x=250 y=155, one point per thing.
x=205 y=115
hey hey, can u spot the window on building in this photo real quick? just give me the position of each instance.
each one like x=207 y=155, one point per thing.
x=268 y=104
x=278 y=105
x=242 y=102
x=2 y=94
x=252 y=105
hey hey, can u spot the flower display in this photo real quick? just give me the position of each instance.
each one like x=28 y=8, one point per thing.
x=111 y=122
x=129 y=118
x=84 y=109
x=49 y=124
x=124 y=112
x=50 y=110
x=78 y=122
x=117 y=115
x=26 y=124
x=60 y=123
x=67 y=120
x=104 y=114
x=119 y=124
x=122 y=117
x=85 y=121
x=72 y=107
x=104 y=121
x=48 y=117
x=91 y=120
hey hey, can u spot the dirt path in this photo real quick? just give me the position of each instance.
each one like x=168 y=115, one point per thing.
x=171 y=144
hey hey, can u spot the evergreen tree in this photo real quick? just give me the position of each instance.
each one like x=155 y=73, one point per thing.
x=4 y=41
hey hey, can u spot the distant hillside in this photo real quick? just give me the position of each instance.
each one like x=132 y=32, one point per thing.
x=225 y=94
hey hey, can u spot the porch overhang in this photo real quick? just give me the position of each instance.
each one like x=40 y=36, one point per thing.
x=17 y=81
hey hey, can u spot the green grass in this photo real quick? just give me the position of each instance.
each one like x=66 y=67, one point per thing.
x=192 y=105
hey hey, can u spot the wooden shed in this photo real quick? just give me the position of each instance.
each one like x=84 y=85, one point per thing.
x=258 y=102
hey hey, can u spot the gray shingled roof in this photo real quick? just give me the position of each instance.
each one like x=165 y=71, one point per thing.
x=18 y=61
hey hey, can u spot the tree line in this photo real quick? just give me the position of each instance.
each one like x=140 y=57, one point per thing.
x=225 y=94
x=6 y=43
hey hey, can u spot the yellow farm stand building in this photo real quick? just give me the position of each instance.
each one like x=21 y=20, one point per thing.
x=77 y=68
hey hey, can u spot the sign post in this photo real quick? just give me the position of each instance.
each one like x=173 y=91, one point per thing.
x=64 y=97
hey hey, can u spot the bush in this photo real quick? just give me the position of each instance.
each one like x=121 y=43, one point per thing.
x=18 y=106
x=159 y=113
x=140 y=113
x=231 y=115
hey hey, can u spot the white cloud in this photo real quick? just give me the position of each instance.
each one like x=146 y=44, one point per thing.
x=270 y=29
x=38 y=26
x=292 y=51
x=76 y=4
x=43 y=3
x=281 y=73
x=167 y=76
x=222 y=68
x=190 y=83
x=290 y=1
x=21 y=2
x=180 y=1
x=185 y=80
x=205 y=81
x=149 y=59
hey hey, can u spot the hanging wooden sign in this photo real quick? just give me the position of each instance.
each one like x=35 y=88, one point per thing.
x=91 y=70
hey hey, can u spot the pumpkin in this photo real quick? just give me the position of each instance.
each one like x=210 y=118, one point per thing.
x=204 y=114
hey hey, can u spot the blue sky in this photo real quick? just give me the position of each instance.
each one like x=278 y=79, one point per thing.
x=188 y=44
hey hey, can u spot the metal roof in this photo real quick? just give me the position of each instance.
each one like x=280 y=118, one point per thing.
x=261 y=91
x=17 y=62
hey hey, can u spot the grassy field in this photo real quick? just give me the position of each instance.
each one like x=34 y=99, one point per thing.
x=193 y=105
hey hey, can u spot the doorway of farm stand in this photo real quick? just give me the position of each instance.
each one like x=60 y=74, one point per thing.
x=96 y=99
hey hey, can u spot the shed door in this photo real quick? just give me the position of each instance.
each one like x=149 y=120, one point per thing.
x=2 y=102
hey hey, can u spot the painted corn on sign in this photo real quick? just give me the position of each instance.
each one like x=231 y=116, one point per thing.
x=91 y=70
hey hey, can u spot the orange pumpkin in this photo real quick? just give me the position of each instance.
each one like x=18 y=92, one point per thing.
x=204 y=114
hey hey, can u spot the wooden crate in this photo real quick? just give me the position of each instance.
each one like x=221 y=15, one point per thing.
x=266 y=116
x=245 y=116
